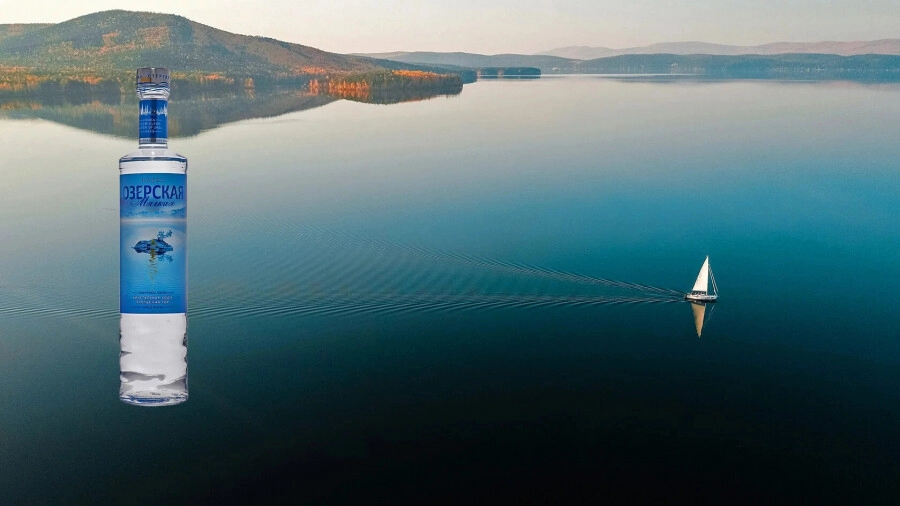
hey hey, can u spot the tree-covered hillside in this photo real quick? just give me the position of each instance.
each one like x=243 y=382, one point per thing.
x=97 y=54
x=7 y=31
x=114 y=40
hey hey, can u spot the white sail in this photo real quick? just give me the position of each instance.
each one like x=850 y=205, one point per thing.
x=702 y=282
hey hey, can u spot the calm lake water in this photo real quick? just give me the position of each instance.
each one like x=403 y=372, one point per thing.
x=474 y=299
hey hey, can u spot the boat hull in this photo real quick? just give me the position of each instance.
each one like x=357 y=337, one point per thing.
x=701 y=297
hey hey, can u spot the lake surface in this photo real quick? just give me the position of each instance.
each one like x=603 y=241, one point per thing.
x=476 y=299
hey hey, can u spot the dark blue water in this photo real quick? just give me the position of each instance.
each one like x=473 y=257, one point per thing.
x=476 y=299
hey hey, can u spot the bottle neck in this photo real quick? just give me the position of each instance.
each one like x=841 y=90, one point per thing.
x=153 y=122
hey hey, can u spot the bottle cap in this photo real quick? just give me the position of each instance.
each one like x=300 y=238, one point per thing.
x=152 y=75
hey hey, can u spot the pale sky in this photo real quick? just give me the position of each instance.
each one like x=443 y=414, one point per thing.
x=505 y=26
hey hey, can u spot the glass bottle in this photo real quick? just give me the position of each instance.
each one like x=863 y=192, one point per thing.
x=153 y=256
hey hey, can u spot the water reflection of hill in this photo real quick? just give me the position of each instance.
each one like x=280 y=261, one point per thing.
x=114 y=114
x=394 y=96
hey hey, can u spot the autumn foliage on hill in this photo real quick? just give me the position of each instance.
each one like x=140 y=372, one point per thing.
x=367 y=85
x=97 y=54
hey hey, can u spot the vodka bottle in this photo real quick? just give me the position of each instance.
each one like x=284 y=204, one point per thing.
x=153 y=256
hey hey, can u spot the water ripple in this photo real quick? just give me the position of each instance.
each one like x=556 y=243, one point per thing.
x=387 y=303
x=310 y=270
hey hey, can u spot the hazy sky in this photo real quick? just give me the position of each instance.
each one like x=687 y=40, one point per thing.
x=499 y=26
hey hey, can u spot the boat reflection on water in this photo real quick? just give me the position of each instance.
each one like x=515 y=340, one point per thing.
x=153 y=359
x=700 y=314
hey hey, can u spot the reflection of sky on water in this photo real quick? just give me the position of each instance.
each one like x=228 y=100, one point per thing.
x=790 y=188
x=676 y=164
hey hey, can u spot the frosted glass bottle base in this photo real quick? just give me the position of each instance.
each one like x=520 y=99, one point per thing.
x=153 y=359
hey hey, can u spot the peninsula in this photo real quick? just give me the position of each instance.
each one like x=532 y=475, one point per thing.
x=97 y=54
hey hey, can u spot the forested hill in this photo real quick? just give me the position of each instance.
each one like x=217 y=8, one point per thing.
x=7 y=31
x=123 y=40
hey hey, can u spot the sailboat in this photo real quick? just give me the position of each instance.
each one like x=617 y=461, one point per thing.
x=700 y=292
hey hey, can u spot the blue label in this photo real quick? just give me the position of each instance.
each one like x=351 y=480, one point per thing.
x=153 y=121
x=153 y=249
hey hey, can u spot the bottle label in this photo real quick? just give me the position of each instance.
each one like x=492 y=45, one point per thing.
x=153 y=121
x=153 y=249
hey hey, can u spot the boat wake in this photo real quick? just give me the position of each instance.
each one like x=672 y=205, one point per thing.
x=345 y=239
x=399 y=303
x=335 y=273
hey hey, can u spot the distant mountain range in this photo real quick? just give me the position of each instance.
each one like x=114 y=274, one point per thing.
x=580 y=59
x=473 y=60
x=884 y=46
x=746 y=66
